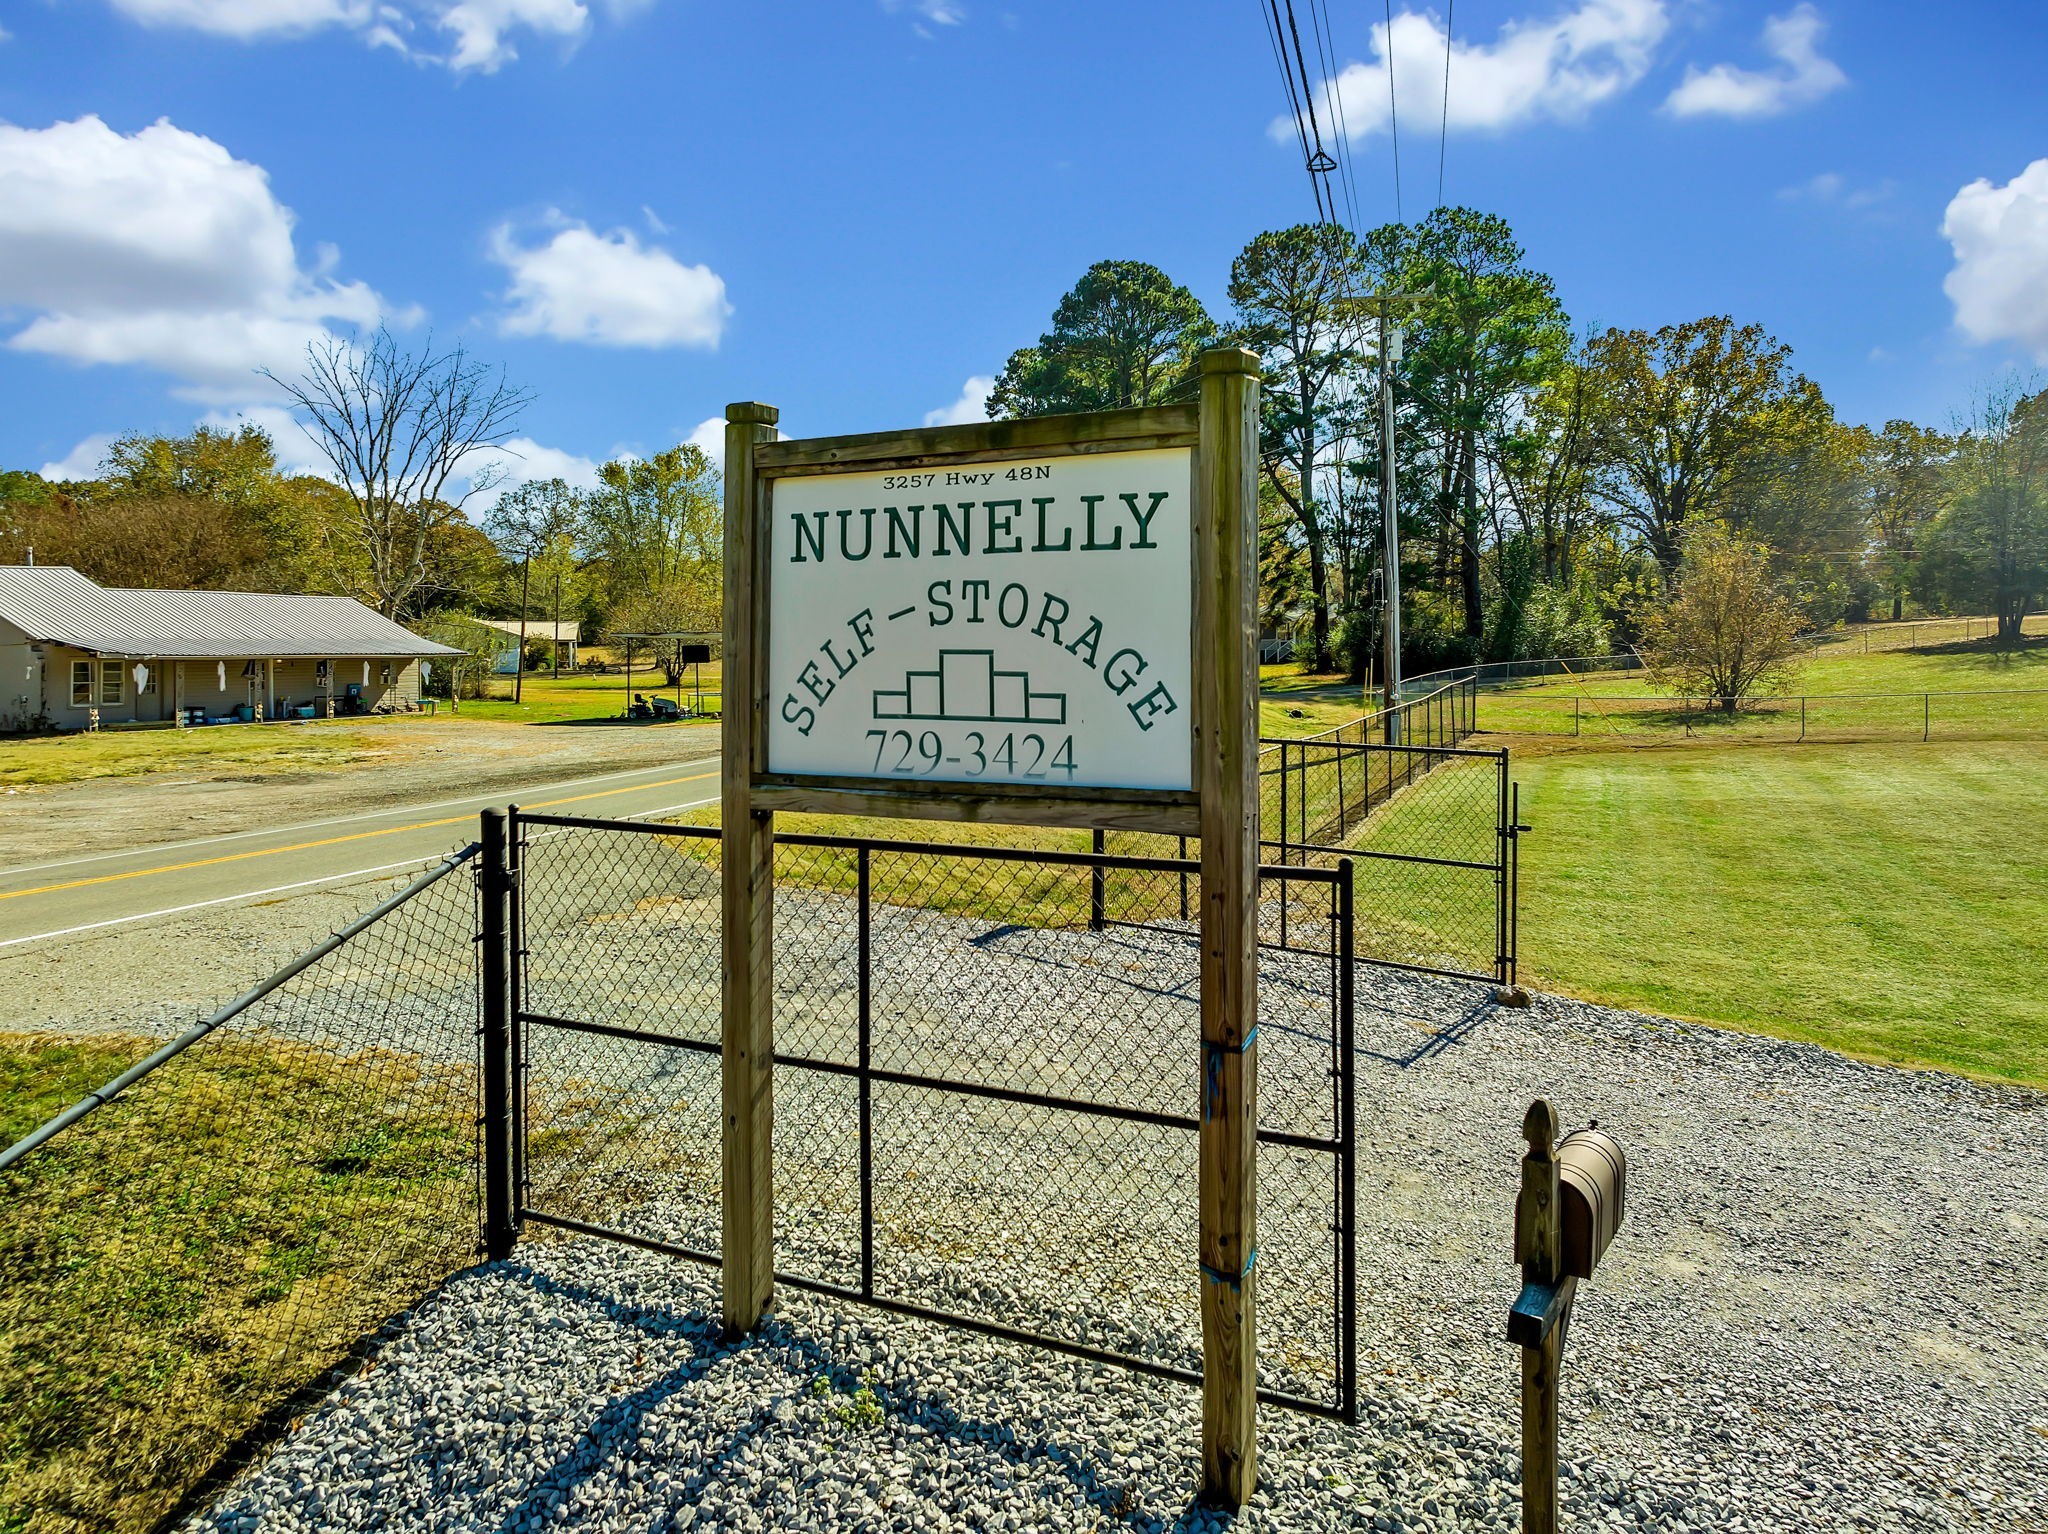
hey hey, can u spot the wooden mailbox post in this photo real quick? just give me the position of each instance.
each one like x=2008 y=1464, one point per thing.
x=1568 y=1210
x=1083 y=586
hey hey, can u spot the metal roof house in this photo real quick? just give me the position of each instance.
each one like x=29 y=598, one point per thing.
x=74 y=654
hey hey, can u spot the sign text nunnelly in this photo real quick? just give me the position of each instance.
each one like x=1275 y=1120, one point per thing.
x=1022 y=622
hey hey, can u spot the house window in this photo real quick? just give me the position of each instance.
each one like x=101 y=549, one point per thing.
x=81 y=684
x=111 y=682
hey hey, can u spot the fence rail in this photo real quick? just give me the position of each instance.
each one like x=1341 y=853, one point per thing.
x=1984 y=714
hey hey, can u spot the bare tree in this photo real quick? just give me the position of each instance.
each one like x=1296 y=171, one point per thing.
x=397 y=428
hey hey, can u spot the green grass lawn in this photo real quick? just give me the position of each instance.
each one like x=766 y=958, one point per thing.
x=544 y=700
x=1890 y=901
x=183 y=1260
x=1979 y=692
x=256 y=749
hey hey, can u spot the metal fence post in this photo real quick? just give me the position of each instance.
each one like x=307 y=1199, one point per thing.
x=515 y=984
x=1347 y=1129
x=1283 y=801
x=494 y=883
x=1098 y=903
x=865 y=1047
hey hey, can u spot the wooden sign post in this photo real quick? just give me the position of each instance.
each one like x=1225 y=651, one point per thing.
x=1051 y=621
x=1226 y=753
x=747 y=873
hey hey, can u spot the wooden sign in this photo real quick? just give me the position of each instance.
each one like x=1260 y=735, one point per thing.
x=1051 y=621
x=1010 y=622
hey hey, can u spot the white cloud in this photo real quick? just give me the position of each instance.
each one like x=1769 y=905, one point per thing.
x=159 y=249
x=1999 y=284
x=945 y=13
x=83 y=461
x=607 y=290
x=1802 y=75
x=1557 y=69
x=483 y=28
x=972 y=405
x=523 y=459
x=479 y=33
x=710 y=436
x=247 y=19
x=1832 y=189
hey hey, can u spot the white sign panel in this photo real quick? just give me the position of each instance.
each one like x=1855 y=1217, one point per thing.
x=1023 y=622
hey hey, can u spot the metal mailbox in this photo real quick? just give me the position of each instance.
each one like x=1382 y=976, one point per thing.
x=1592 y=1179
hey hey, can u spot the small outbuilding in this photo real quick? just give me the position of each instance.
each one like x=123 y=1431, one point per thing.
x=74 y=654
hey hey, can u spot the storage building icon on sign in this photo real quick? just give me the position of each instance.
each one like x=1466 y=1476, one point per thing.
x=966 y=688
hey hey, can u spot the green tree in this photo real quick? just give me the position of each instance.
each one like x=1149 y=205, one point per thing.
x=1693 y=415
x=656 y=530
x=1729 y=631
x=1989 y=548
x=534 y=526
x=1125 y=335
x=1908 y=467
x=1296 y=292
x=1548 y=467
x=653 y=519
x=1489 y=330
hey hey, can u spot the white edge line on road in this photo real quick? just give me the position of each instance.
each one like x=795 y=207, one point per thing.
x=279 y=889
x=121 y=921
x=482 y=800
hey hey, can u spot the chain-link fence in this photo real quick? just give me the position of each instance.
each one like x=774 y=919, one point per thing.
x=987 y=1080
x=984 y=1089
x=1429 y=826
x=1647 y=718
x=190 y=1251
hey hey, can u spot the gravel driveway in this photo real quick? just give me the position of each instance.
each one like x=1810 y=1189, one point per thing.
x=1826 y=1310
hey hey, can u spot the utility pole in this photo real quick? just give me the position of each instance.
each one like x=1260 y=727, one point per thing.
x=558 y=620
x=1382 y=306
x=519 y=660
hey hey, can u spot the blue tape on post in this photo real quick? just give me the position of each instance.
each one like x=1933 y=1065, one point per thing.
x=1212 y=1070
x=1235 y=1280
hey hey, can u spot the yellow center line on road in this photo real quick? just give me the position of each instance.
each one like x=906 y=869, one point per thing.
x=332 y=841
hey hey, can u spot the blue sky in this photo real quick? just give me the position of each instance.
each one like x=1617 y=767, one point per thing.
x=855 y=208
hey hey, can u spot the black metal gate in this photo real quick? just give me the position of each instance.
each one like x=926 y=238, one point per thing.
x=984 y=1090
x=1433 y=832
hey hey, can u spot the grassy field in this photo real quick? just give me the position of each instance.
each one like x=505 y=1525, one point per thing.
x=180 y=1262
x=259 y=750
x=1979 y=691
x=1890 y=901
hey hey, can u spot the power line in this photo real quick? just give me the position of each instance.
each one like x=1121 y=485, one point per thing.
x=1320 y=164
x=1444 y=130
x=1276 y=34
x=1393 y=112
x=1326 y=54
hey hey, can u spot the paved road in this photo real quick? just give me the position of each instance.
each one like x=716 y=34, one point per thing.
x=44 y=901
